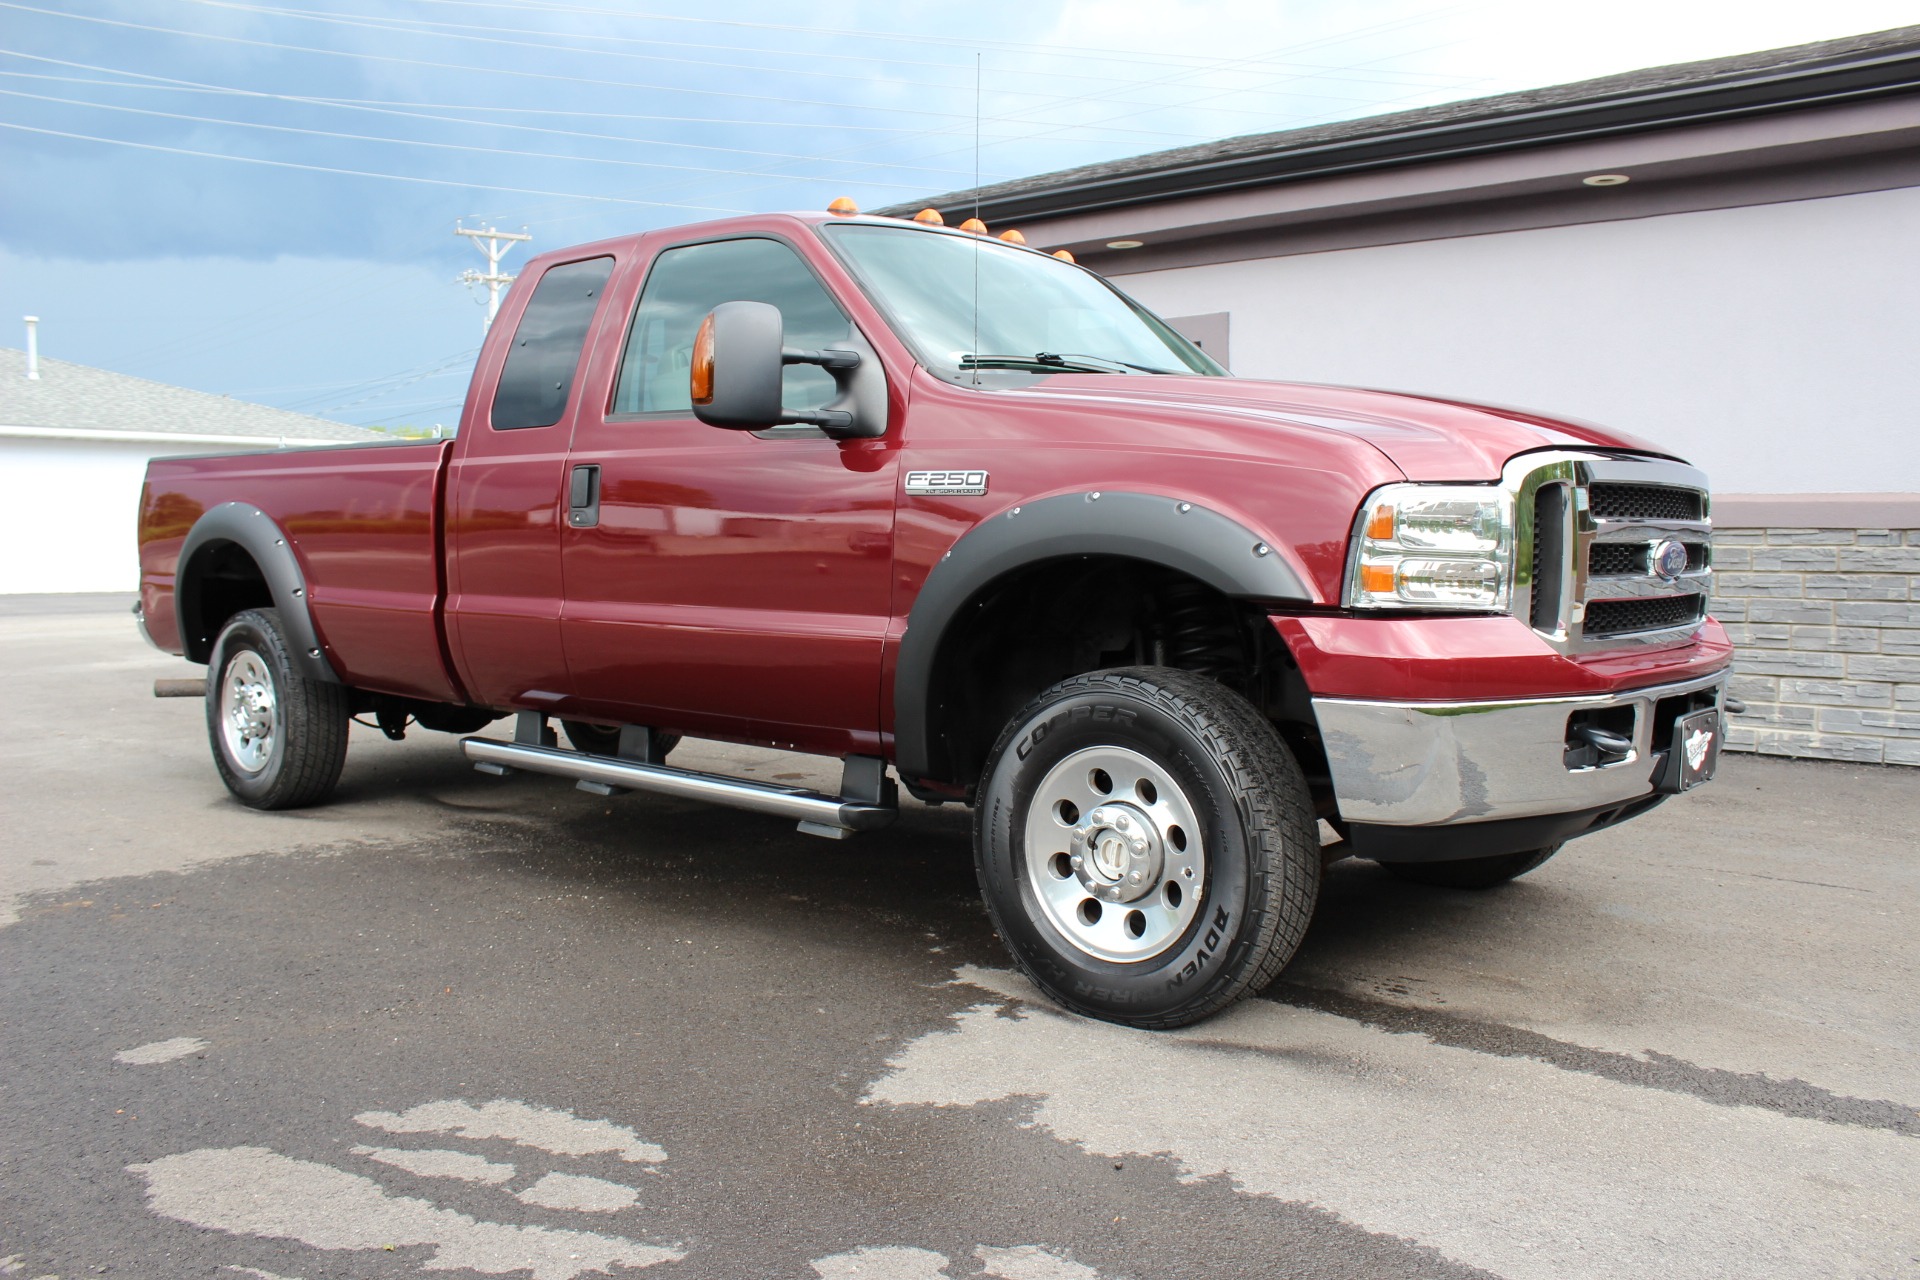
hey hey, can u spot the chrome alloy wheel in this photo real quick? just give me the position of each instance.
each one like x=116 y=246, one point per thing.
x=248 y=713
x=1114 y=854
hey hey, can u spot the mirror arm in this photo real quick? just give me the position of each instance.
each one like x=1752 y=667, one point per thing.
x=825 y=419
x=825 y=359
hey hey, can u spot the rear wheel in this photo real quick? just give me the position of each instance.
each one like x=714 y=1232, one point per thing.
x=279 y=740
x=1146 y=845
x=1473 y=873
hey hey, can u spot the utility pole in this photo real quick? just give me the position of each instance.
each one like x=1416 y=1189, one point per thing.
x=496 y=245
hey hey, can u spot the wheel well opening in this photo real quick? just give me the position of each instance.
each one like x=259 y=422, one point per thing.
x=1049 y=621
x=222 y=580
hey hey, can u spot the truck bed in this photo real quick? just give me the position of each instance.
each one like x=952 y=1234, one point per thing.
x=364 y=522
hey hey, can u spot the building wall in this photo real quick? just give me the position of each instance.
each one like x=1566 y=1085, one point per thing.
x=69 y=511
x=1827 y=622
x=1770 y=345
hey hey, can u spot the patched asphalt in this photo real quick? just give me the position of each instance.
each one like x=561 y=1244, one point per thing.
x=808 y=1030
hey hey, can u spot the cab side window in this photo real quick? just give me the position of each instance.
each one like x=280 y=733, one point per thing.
x=538 y=375
x=688 y=282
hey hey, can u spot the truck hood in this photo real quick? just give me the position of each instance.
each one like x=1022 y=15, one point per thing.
x=1428 y=438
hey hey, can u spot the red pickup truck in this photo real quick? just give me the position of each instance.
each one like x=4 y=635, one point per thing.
x=926 y=500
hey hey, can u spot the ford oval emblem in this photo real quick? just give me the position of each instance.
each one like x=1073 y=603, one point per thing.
x=1668 y=559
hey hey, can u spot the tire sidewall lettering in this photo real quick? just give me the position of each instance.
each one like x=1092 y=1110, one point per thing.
x=1193 y=965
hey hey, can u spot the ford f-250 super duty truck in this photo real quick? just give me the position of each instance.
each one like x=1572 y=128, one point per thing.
x=913 y=496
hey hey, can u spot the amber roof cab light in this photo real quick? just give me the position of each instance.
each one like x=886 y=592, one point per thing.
x=843 y=207
x=930 y=217
x=974 y=225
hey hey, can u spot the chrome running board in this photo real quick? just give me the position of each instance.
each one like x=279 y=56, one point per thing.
x=835 y=817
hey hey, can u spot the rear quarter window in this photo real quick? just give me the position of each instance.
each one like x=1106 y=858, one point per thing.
x=537 y=380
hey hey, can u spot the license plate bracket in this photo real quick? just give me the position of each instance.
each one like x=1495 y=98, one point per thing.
x=1693 y=751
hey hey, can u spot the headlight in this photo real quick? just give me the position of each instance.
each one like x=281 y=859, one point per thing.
x=1424 y=546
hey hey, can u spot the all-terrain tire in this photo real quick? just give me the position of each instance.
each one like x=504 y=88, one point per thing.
x=1111 y=768
x=1473 y=873
x=279 y=740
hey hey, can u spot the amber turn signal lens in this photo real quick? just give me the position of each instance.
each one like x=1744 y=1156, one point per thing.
x=1012 y=237
x=931 y=217
x=1064 y=256
x=1380 y=524
x=700 y=379
x=1377 y=579
x=843 y=207
x=974 y=225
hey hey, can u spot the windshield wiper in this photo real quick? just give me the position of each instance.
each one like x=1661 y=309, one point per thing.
x=1056 y=358
x=1054 y=362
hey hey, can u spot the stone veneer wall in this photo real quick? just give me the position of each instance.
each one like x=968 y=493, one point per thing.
x=1826 y=624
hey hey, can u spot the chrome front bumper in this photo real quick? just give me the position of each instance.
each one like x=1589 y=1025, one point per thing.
x=1439 y=763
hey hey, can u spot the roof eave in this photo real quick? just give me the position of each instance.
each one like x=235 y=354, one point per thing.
x=1789 y=89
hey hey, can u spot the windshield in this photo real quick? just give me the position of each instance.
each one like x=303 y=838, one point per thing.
x=1037 y=314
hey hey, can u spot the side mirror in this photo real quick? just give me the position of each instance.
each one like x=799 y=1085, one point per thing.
x=738 y=357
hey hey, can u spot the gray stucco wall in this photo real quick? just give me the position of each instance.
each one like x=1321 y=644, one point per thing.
x=1771 y=345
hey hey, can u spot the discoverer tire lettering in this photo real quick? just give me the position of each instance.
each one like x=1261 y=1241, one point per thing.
x=1178 y=835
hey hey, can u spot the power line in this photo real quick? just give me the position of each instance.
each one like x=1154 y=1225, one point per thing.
x=466 y=34
x=361 y=173
x=419 y=142
x=416 y=25
x=624 y=85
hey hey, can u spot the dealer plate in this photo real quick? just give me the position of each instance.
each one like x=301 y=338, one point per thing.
x=1696 y=745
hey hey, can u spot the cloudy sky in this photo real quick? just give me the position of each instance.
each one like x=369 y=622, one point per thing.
x=258 y=197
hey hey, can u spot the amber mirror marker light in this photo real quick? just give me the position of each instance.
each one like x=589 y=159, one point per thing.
x=700 y=378
x=931 y=217
x=844 y=207
x=974 y=225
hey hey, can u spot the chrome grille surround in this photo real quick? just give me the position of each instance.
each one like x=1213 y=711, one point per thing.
x=1554 y=583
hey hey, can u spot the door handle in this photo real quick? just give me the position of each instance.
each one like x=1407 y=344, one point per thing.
x=583 y=497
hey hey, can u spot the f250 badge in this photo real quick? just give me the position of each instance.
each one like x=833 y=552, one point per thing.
x=946 y=484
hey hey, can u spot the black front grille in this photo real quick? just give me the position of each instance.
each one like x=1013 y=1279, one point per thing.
x=1615 y=559
x=1610 y=559
x=1619 y=617
x=1644 y=502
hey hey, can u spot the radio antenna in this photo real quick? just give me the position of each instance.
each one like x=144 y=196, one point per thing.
x=976 y=217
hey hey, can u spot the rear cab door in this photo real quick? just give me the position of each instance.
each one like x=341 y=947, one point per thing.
x=505 y=494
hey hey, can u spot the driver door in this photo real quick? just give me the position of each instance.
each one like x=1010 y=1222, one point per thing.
x=727 y=583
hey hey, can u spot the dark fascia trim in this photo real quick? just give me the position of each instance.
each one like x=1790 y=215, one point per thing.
x=254 y=532
x=1149 y=528
x=1857 y=80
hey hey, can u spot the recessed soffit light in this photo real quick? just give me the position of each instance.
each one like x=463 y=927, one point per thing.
x=1125 y=244
x=1606 y=180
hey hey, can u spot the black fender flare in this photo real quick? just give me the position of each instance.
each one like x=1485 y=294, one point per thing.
x=256 y=533
x=1181 y=535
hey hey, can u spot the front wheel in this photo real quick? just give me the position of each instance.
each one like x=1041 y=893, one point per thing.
x=1473 y=873
x=279 y=740
x=1146 y=845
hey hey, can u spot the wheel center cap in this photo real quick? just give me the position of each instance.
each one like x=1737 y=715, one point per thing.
x=1117 y=853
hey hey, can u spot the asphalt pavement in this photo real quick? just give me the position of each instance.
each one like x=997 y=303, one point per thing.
x=456 y=1025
